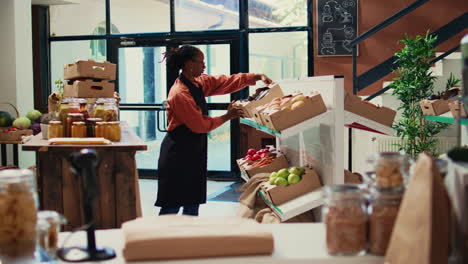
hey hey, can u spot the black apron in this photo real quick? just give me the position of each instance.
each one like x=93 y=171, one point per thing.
x=182 y=165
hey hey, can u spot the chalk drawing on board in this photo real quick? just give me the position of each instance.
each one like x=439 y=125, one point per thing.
x=337 y=26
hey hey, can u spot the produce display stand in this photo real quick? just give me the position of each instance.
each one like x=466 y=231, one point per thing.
x=318 y=141
x=448 y=118
x=117 y=178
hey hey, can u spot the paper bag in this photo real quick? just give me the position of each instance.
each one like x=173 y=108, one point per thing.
x=181 y=236
x=421 y=231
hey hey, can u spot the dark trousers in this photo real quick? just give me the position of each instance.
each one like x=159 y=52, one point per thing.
x=187 y=210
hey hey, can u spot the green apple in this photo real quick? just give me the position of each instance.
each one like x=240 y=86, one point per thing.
x=273 y=175
x=293 y=178
x=295 y=170
x=281 y=181
x=283 y=173
x=272 y=180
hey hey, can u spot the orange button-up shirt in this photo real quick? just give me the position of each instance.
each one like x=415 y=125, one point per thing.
x=182 y=109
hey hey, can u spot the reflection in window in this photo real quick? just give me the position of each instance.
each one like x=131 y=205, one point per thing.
x=98 y=46
x=277 y=13
x=285 y=57
x=206 y=14
x=219 y=145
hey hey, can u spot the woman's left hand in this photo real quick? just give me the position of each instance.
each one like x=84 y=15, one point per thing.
x=263 y=77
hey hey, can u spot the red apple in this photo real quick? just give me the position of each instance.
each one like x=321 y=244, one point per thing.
x=251 y=152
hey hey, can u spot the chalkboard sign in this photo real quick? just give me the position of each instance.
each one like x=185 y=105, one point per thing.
x=336 y=26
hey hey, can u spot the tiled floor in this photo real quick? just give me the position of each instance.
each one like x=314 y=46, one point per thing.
x=148 y=190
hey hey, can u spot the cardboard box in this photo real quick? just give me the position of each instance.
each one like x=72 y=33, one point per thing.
x=84 y=69
x=281 y=194
x=382 y=114
x=277 y=164
x=283 y=119
x=457 y=109
x=88 y=88
x=249 y=107
x=257 y=114
x=434 y=107
x=14 y=136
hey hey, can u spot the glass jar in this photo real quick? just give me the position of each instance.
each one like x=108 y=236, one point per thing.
x=63 y=114
x=100 y=129
x=18 y=214
x=99 y=109
x=91 y=126
x=74 y=105
x=55 y=129
x=72 y=117
x=78 y=129
x=345 y=218
x=384 y=204
x=113 y=131
x=51 y=223
x=110 y=110
x=83 y=106
x=389 y=169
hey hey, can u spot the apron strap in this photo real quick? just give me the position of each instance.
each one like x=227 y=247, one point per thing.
x=197 y=94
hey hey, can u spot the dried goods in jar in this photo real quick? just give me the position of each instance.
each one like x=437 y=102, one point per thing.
x=18 y=213
x=381 y=222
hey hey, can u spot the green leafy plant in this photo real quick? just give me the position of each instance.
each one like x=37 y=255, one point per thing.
x=415 y=83
x=59 y=85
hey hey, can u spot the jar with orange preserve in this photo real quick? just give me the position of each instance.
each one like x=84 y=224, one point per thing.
x=78 y=129
x=100 y=129
x=114 y=131
x=83 y=106
x=383 y=209
x=55 y=129
x=72 y=117
x=110 y=110
x=345 y=218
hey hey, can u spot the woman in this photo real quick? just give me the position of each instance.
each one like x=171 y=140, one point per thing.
x=182 y=161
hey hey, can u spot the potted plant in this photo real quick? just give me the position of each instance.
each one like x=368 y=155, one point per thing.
x=413 y=84
x=45 y=119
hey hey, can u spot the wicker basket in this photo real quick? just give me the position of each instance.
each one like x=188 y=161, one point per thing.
x=13 y=136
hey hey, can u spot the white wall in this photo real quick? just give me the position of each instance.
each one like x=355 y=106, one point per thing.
x=16 y=70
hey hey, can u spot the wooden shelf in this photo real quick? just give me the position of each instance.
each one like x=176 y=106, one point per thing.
x=290 y=131
x=296 y=206
x=356 y=121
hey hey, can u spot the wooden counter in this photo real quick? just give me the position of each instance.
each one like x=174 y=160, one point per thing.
x=117 y=178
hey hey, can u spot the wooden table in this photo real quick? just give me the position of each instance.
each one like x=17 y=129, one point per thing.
x=117 y=178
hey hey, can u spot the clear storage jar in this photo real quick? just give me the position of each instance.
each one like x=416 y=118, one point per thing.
x=384 y=204
x=114 y=131
x=51 y=223
x=55 y=129
x=18 y=214
x=345 y=218
x=388 y=169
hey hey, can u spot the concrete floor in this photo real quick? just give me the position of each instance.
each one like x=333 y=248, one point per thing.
x=148 y=190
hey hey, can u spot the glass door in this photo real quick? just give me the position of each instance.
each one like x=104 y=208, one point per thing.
x=143 y=85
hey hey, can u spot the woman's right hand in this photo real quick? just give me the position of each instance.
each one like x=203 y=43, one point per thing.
x=233 y=111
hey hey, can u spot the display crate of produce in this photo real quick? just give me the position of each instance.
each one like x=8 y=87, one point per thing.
x=264 y=97
x=457 y=109
x=282 y=119
x=278 y=195
x=278 y=163
x=90 y=69
x=379 y=114
x=88 y=88
x=434 y=107
x=11 y=134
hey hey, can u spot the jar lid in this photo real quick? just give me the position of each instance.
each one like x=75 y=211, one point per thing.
x=344 y=191
x=55 y=122
x=16 y=175
x=114 y=122
x=79 y=123
x=94 y=119
x=76 y=115
x=101 y=123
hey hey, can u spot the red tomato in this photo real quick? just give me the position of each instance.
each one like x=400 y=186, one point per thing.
x=251 y=152
x=256 y=157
